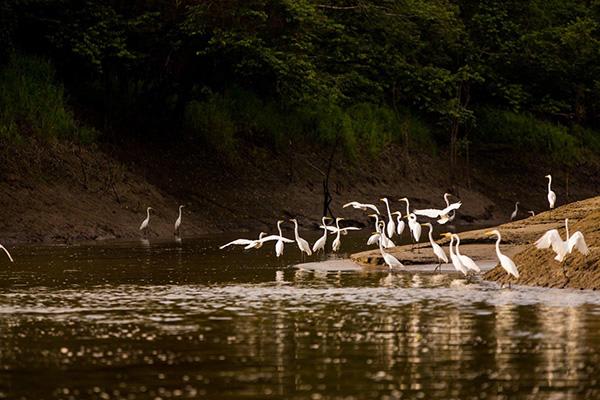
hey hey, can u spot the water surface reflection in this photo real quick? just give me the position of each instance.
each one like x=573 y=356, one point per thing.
x=172 y=320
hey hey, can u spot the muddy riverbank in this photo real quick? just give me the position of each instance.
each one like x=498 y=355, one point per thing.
x=64 y=193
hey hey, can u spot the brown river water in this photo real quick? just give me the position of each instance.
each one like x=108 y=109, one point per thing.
x=165 y=320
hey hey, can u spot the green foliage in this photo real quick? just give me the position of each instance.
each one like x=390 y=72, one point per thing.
x=361 y=130
x=31 y=102
x=526 y=133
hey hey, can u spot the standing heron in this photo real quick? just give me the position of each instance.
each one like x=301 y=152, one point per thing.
x=437 y=249
x=506 y=263
x=551 y=194
x=514 y=213
x=391 y=227
x=320 y=243
x=144 y=225
x=178 y=221
x=302 y=244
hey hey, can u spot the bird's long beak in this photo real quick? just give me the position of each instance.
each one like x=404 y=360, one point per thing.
x=328 y=218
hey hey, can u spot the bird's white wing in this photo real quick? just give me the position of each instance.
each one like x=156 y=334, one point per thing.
x=361 y=206
x=238 y=242
x=550 y=238
x=372 y=207
x=453 y=206
x=350 y=228
x=429 y=212
x=329 y=228
x=354 y=204
x=9 y=256
x=577 y=241
x=271 y=238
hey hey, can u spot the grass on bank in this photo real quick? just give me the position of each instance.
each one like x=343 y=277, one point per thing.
x=224 y=121
x=32 y=102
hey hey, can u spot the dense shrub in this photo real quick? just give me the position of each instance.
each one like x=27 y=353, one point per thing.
x=32 y=102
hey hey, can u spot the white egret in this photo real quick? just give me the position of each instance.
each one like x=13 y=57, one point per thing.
x=442 y=215
x=551 y=194
x=506 y=263
x=7 y=253
x=362 y=206
x=400 y=225
x=514 y=213
x=280 y=240
x=374 y=238
x=320 y=243
x=563 y=247
x=387 y=242
x=414 y=226
x=458 y=265
x=245 y=242
x=302 y=244
x=178 y=221
x=144 y=225
x=391 y=227
x=407 y=204
x=453 y=215
x=337 y=242
x=532 y=213
x=466 y=261
x=437 y=249
x=389 y=259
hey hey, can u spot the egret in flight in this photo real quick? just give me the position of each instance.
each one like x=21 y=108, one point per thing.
x=391 y=227
x=506 y=263
x=257 y=244
x=144 y=225
x=514 y=213
x=442 y=215
x=466 y=261
x=453 y=257
x=320 y=243
x=551 y=194
x=437 y=249
x=563 y=247
x=302 y=244
x=362 y=206
x=178 y=222
x=7 y=253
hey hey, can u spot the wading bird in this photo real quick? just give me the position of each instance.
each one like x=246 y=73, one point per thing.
x=506 y=263
x=551 y=194
x=178 y=222
x=320 y=243
x=302 y=244
x=437 y=249
x=466 y=261
x=337 y=242
x=514 y=213
x=399 y=223
x=144 y=225
x=453 y=257
x=391 y=228
x=442 y=215
x=361 y=206
x=246 y=242
x=389 y=259
x=7 y=253
x=563 y=247
x=280 y=240
x=414 y=226
x=380 y=234
x=453 y=215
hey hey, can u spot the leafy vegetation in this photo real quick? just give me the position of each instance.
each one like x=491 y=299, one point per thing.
x=359 y=73
x=31 y=102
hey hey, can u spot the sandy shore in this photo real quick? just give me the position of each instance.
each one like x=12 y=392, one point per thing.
x=536 y=267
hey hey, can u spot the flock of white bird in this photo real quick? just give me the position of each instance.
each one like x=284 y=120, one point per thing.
x=384 y=232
